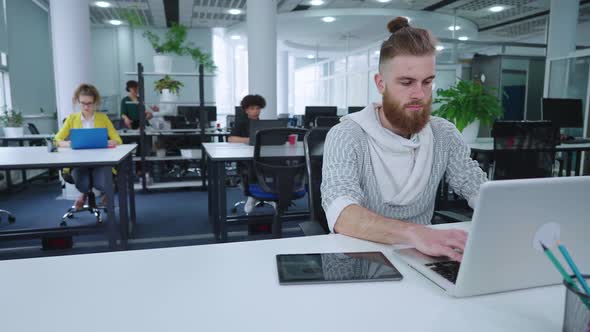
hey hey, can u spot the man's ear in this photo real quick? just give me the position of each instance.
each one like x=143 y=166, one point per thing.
x=380 y=83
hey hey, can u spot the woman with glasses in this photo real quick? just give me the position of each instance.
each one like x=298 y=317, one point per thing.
x=86 y=99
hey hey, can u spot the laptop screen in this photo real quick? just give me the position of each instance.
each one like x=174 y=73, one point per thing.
x=89 y=138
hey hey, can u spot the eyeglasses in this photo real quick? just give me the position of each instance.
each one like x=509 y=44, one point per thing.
x=86 y=104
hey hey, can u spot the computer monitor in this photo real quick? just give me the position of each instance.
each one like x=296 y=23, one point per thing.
x=312 y=112
x=564 y=113
x=192 y=115
x=354 y=109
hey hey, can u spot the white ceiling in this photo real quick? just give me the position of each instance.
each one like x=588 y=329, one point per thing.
x=358 y=22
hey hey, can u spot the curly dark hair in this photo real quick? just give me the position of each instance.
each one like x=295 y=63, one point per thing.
x=131 y=84
x=253 y=100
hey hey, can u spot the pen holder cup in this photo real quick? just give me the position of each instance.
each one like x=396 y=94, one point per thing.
x=577 y=313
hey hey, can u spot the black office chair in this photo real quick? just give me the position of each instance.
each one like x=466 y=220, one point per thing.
x=11 y=218
x=523 y=149
x=90 y=206
x=280 y=175
x=313 y=144
x=326 y=121
x=35 y=131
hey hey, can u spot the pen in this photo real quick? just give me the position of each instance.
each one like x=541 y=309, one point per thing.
x=565 y=276
x=573 y=266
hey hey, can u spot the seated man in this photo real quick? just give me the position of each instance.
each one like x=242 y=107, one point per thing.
x=252 y=105
x=382 y=165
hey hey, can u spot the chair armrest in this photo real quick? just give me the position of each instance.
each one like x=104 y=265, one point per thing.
x=451 y=216
x=310 y=228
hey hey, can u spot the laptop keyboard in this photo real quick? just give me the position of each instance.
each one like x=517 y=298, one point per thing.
x=449 y=270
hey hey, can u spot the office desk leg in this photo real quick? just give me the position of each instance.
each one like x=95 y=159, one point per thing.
x=568 y=163
x=578 y=163
x=212 y=201
x=131 y=193
x=111 y=219
x=221 y=200
x=123 y=173
x=23 y=171
x=7 y=171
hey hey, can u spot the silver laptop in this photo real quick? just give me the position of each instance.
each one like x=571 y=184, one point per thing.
x=500 y=253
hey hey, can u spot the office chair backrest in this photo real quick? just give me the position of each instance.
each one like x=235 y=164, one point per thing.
x=280 y=169
x=524 y=149
x=314 y=156
x=327 y=121
x=33 y=129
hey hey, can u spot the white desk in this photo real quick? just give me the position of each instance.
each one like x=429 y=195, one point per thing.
x=220 y=153
x=234 y=287
x=485 y=145
x=118 y=157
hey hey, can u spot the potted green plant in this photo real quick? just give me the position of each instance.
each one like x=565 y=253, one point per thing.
x=169 y=89
x=172 y=43
x=12 y=121
x=467 y=104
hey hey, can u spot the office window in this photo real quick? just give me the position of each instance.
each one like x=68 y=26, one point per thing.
x=5 y=99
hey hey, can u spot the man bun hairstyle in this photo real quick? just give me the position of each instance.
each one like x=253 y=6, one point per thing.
x=405 y=40
x=253 y=100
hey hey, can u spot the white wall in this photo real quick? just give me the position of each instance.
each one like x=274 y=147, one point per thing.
x=108 y=57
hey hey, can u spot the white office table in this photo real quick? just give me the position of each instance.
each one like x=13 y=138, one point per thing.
x=118 y=157
x=234 y=287
x=21 y=142
x=220 y=153
x=485 y=145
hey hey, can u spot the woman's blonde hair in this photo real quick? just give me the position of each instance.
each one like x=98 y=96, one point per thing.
x=86 y=90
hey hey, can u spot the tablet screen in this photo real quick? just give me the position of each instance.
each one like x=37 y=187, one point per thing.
x=335 y=267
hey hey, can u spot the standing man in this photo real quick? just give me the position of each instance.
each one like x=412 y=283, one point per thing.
x=382 y=165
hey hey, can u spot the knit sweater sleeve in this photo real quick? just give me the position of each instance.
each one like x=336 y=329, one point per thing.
x=463 y=173
x=341 y=170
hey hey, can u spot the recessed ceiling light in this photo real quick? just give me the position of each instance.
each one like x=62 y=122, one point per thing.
x=454 y=28
x=439 y=47
x=102 y=4
x=235 y=11
x=316 y=2
x=377 y=52
x=383 y=1
x=311 y=56
x=115 y=22
x=496 y=9
x=235 y=37
x=328 y=19
x=463 y=38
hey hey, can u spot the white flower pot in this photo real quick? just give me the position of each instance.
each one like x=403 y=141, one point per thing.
x=470 y=132
x=162 y=63
x=167 y=108
x=13 y=131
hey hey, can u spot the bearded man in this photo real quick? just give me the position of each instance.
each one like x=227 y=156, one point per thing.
x=382 y=165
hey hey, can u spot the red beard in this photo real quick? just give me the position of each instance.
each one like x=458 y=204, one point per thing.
x=409 y=122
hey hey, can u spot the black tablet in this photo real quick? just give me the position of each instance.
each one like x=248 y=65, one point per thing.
x=335 y=267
